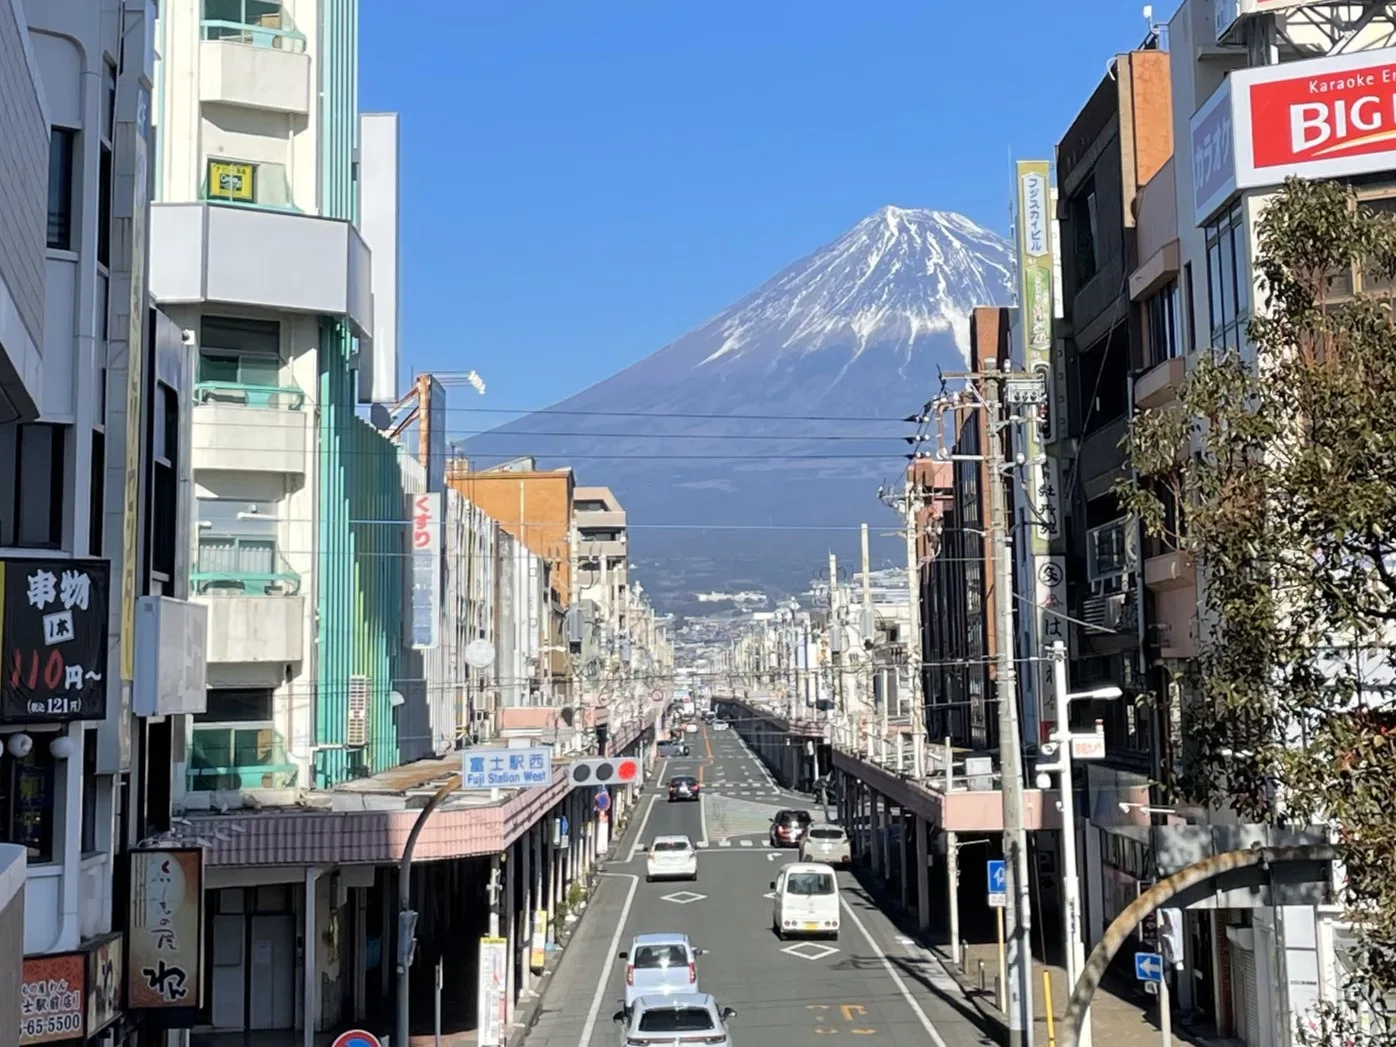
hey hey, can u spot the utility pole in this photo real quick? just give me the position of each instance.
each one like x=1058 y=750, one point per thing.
x=1015 y=841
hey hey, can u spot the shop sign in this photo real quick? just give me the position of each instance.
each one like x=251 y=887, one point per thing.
x=53 y=1001
x=1320 y=118
x=166 y=941
x=426 y=570
x=53 y=635
x=105 y=984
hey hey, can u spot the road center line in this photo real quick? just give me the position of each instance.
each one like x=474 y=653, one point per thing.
x=610 y=960
x=640 y=830
x=891 y=973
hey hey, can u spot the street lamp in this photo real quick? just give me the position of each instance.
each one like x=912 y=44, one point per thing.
x=1060 y=743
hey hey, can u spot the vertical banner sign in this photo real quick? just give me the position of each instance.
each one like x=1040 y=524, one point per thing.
x=1049 y=604
x=53 y=639
x=166 y=939
x=426 y=570
x=1035 y=309
x=53 y=998
x=538 y=947
x=490 y=1003
x=135 y=383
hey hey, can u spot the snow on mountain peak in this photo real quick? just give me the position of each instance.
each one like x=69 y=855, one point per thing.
x=897 y=276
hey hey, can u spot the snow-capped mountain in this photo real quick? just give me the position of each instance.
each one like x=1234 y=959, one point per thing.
x=782 y=411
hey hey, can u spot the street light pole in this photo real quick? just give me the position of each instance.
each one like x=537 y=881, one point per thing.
x=1071 y=883
x=406 y=918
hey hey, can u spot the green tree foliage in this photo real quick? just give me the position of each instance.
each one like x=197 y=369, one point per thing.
x=1275 y=473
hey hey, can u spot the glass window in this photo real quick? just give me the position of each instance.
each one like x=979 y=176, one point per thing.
x=648 y=957
x=1084 y=229
x=61 y=149
x=1228 y=271
x=670 y=845
x=809 y=883
x=676 y=1019
x=32 y=469
x=27 y=799
x=104 y=207
x=237 y=705
x=825 y=832
x=1242 y=268
x=1162 y=310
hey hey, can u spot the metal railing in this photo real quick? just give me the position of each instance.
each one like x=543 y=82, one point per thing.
x=241 y=566
x=238 y=756
x=244 y=394
x=279 y=38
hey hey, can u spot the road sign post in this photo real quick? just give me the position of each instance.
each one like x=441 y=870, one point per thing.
x=997 y=873
x=998 y=883
x=1149 y=969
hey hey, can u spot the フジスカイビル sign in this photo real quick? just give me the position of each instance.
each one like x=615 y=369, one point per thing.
x=53 y=640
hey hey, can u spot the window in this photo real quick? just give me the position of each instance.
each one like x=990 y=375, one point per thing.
x=1162 y=317
x=1084 y=234
x=670 y=845
x=1228 y=280
x=1189 y=306
x=810 y=883
x=240 y=352
x=104 y=208
x=677 y=1019
x=90 y=783
x=649 y=957
x=1103 y=374
x=1370 y=274
x=27 y=799
x=61 y=149
x=96 y=506
x=33 y=462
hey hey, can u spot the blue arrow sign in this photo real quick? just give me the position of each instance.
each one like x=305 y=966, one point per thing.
x=998 y=876
x=1148 y=966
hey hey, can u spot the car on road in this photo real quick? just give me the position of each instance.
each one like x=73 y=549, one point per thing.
x=684 y=787
x=826 y=843
x=806 y=901
x=788 y=828
x=690 y=1018
x=719 y=725
x=690 y=728
x=672 y=749
x=671 y=858
x=662 y=964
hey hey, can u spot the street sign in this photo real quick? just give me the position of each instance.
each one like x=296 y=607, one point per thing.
x=603 y=800
x=604 y=770
x=500 y=767
x=1088 y=746
x=356 y=1038
x=998 y=884
x=1148 y=966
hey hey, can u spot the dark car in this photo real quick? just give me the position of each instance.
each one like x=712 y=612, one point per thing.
x=788 y=828
x=673 y=749
x=683 y=787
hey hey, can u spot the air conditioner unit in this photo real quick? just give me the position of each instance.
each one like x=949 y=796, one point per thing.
x=356 y=725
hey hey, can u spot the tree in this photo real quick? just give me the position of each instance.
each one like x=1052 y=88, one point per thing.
x=1274 y=471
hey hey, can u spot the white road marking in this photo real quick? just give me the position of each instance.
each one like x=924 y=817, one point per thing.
x=724 y=843
x=610 y=959
x=810 y=951
x=746 y=843
x=891 y=973
x=640 y=830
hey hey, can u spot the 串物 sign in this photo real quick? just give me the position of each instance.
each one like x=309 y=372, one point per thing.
x=53 y=640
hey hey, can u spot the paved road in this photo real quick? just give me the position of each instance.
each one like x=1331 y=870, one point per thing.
x=870 y=986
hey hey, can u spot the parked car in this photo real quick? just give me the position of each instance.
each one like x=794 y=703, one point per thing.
x=806 y=901
x=690 y=1018
x=825 y=843
x=788 y=828
x=662 y=964
x=684 y=787
x=671 y=858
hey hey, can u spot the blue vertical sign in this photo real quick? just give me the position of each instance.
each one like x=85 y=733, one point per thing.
x=426 y=569
x=998 y=883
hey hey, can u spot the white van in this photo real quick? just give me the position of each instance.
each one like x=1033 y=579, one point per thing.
x=806 y=901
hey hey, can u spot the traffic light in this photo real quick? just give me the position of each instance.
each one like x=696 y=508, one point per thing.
x=605 y=770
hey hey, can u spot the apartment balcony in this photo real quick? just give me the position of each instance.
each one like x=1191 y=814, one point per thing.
x=1160 y=384
x=250 y=428
x=601 y=519
x=238 y=756
x=247 y=248
x=255 y=611
x=1169 y=570
x=597 y=549
x=255 y=66
x=1101 y=458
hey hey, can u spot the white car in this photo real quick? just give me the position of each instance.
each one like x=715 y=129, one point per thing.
x=806 y=901
x=671 y=858
x=660 y=965
x=691 y=728
x=720 y=725
x=689 y=1018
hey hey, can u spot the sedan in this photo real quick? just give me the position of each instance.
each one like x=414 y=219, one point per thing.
x=788 y=828
x=660 y=965
x=689 y=1018
x=720 y=725
x=684 y=787
x=691 y=728
x=671 y=858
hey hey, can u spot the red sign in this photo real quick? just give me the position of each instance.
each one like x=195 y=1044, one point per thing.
x=1348 y=112
x=53 y=998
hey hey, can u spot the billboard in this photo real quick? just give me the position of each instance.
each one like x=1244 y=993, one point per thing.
x=425 y=619
x=53 y=634
x=164 y=961
x=1321 y=118
x=53 y=998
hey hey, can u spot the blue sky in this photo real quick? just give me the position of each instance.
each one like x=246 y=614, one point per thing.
x=582 y=183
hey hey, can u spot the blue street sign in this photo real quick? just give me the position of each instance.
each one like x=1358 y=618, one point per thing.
x=1148 y=966
x=603 y=800
x=998 y=883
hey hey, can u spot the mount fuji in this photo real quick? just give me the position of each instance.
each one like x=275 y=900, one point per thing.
x=751 y=447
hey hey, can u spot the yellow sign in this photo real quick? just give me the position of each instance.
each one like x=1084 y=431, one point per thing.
x=231 y=181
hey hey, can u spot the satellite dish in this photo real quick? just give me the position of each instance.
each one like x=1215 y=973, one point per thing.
x=395 y=698
x=479 y=654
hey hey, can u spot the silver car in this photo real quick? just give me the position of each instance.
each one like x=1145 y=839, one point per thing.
x=690 y=1018
x=827 y=844
x=662 y=964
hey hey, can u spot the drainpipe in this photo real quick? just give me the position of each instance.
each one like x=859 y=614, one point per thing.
x=311 y=1006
